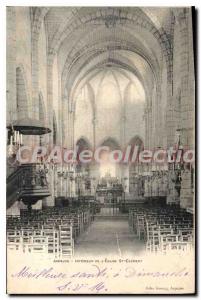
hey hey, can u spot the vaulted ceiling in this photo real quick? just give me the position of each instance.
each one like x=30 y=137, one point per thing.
x=86 y=39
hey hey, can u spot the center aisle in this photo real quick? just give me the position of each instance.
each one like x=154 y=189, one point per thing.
x=108 y=236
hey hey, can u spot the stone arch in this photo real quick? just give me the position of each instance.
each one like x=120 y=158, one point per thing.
x=108 y=166
x=122 y=17
x=101 y=58
x=103 y=15
x=116 y=62
x=83 y=143
x=110 y=142
x=101 y=45
x=137 y=141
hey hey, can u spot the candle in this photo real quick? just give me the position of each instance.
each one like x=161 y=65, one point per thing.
x=20 y=139
x=11 y=140
x=15 y=136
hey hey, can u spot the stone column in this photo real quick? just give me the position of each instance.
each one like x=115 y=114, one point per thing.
x=50 y=201
x=94 y=132
x=187 y=99
x=11 y=65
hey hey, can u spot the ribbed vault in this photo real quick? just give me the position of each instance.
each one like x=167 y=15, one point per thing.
x=86 y=40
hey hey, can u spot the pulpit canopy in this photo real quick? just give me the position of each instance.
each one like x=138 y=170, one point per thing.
x=29 y=126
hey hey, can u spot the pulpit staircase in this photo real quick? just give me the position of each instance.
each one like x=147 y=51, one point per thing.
x=27 y=183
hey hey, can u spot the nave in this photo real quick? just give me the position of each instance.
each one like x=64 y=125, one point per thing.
x=109 y=237
x=104 y=84
x=78 y=231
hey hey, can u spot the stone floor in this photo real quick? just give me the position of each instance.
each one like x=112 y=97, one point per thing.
x=108 y=236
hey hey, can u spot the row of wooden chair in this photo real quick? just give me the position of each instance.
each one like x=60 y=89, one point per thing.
x=48 y=231
x=163 y=229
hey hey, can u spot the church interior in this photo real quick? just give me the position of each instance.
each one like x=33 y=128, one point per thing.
x=91 y=77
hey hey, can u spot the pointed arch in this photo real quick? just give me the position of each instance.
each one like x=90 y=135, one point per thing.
x=83 y=143
x=137 y=141
x=110 y=142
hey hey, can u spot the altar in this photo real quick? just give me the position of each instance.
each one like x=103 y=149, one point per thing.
x=109 y=194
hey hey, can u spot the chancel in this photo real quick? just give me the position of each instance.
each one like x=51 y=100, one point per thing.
x=100 y=80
